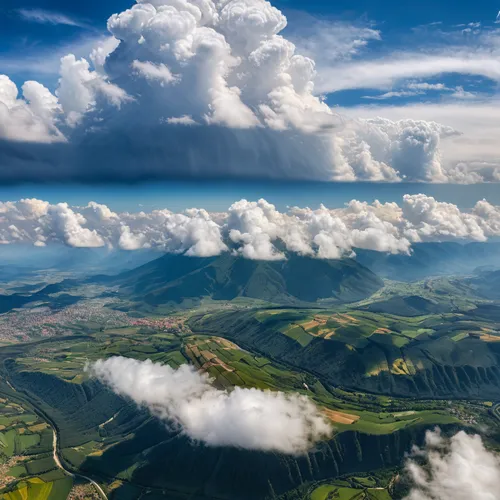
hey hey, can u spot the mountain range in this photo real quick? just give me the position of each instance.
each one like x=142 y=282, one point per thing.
x=430 y=259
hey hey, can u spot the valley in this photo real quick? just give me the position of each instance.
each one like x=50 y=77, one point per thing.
x=381 y=369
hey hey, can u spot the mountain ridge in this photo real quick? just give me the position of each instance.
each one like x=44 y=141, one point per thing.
x=173 y=278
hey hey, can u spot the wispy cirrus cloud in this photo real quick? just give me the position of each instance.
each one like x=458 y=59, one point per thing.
x=42 y=16
x=329 y=42
x=45 y=61
x=389 y=71
x=390 y=95
x=359 y=57
x=423 y=88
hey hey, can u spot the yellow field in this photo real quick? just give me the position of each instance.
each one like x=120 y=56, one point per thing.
x=339 y=417
x=382 y=330
x=489 y=338
x=33 y=489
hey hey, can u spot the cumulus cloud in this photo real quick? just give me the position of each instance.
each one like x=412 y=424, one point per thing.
x=459 y=468
x=153 y=71
x=243 y=418
x=471 y=156
x=79 y=88
x=31 y=117
x=253 y=229
x=225 y=66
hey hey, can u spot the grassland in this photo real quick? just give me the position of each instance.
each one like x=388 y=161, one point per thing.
x=364 y=487
x=27 y=469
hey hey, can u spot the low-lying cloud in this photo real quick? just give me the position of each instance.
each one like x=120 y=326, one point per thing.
x=244 y=418
x=254 y=230
x=206 y=88
x=460 y=468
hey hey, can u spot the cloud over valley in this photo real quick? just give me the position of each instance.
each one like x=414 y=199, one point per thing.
x=244 y=418
x=459 y=468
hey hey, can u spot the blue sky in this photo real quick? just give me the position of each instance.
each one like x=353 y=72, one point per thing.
x=219 y=195
x=31 y=44
x=200 y=103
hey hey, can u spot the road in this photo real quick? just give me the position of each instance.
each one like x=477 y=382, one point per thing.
x=55 y=450
x=69 y=473
x=496 y=410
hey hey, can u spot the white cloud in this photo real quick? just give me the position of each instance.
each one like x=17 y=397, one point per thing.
x=255 y=230
x=430 y=220
x=49 y=17
x=459 y=468
x=328 y=42
x=389 y=95
x=130 y=241
x=427 y=86
x=100 y=52
x=79 y=88
x=226 y=67
x=193 y=231
x=68 y=227
x=472 y=51
x=460 y=93
x=243 y=418
x=421 y=88
x=181 y=120
x=152 y=71
x=30 y=118
x=45 y=61
x=468 y=157
x=387 y=72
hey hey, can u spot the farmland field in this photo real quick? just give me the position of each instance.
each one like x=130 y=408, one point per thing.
x=381 y=379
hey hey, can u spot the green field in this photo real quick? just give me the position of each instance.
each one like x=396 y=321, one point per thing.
x=37 y=489
x=419 y=356
x=381 y=377
x=359 y=490
x=26 y=454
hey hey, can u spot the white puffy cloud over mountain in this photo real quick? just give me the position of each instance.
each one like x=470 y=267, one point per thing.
x=202 y=88
x=255 y=230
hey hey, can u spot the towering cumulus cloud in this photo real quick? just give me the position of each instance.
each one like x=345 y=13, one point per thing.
x=459 y=468
x=243 y=418
x=254 y=230
x=198 y=88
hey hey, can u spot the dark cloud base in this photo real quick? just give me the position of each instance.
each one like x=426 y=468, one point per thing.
x=164 y=152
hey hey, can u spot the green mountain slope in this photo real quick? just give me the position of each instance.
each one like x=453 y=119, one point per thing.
x=433 y=357
x=430 y=259
x=487 y=284
x=297 y=279
x=413 y=305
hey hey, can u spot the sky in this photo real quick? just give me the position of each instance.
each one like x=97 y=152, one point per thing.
x=43 y=30
x=217 y=195
x=118 y=92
